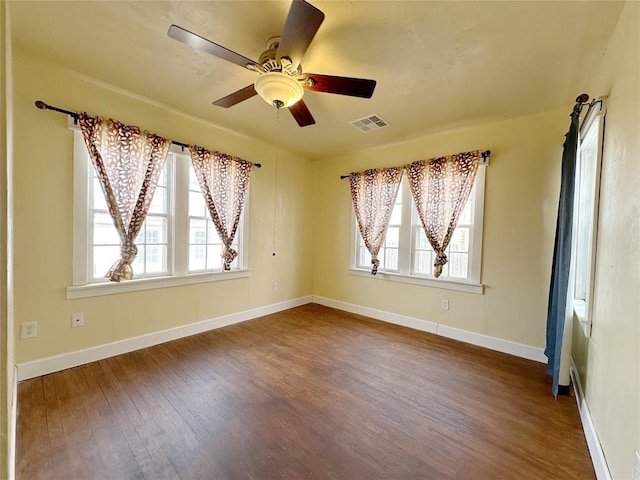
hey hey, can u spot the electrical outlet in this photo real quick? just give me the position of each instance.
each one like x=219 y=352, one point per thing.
x=29 y=330
x=636 y=467
x=77 y=320
x=445 y=305
x=276 y=287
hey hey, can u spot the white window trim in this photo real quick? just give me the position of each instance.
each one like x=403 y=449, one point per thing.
x=151 y=283
x=583 y=309
x=458 y=285
x=473 y=285
x=82 y=288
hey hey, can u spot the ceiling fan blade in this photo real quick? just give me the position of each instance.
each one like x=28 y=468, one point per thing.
x=302 y=24
x=204 y=45
x=236 y=97
x=354 y=87
x=301 y=113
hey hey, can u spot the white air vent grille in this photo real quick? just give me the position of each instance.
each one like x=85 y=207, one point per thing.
x=372 y=122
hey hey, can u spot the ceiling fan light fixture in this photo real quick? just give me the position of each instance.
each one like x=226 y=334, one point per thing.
x=278 y=89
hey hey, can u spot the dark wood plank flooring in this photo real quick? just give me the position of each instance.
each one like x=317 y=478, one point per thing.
x=309 y=393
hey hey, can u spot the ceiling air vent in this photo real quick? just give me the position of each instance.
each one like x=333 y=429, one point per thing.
x=372 y=122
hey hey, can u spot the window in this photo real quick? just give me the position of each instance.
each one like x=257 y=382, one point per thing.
x=407 y=256
x=205 y=245
x=388 y=255
x=586 y=197
x=177 y=243
x=153 y=239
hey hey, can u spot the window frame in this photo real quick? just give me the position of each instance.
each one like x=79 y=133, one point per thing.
x=583 y=308
x=406 y=254
x=142 y=247
x=178 y=232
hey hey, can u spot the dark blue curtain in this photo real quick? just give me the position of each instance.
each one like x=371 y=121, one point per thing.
x=562 y=252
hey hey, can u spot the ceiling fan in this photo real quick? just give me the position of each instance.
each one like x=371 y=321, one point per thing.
x=282 y=82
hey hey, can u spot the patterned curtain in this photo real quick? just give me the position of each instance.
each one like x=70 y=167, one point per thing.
x=374 y=194
x=224 y=181
x=440 y=188
x=128 y=163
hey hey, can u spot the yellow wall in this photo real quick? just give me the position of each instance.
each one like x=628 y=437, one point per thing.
x=313 y=233
x=6 y=339
x=43 y=210
x=522 y=185
x=609 y=362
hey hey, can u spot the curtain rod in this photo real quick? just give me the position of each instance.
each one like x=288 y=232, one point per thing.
x=582 y=100
x=43 y=106
x=485 y=157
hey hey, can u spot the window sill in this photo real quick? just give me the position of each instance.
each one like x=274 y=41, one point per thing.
x=580 y=313
x=113 y=288
x=460 y=286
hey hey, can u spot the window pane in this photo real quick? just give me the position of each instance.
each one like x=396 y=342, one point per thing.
x=396 y=215
x=214 y=261
x=193 y=180
x=391 y=238
x=364 y=259
x=423 y=262
x=460 y=240
x=390 y=259
x=99 y=202
x=212 y=233
x=103 y=258
x=457 y=265
x=159 y=202
x=141 y=236
x=155 y=229
x=155 y=257
x=465 y=216
x=104 y=232
x=196 y=205
x=587 y=163
x=197 y=231
x=197 y=257
x=421 y=239
x=162 y=179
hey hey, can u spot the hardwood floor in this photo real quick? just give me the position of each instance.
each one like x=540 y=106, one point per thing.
x=309 y=393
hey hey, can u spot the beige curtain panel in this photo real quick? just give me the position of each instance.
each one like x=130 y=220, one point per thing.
x=224 y=181
x=440 y=188
x=374 y=194
x=128 y=163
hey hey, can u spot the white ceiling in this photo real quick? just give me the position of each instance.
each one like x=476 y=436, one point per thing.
x=438 y=65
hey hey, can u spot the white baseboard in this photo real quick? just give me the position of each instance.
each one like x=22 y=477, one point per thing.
x=493 y=343
x=593 y=442
x=63 y=361
x=388 y=317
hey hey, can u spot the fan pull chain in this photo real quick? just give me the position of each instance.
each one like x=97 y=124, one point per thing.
x=275 y=189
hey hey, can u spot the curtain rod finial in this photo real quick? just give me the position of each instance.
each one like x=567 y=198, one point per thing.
x=582 y=98
x=41 y=105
